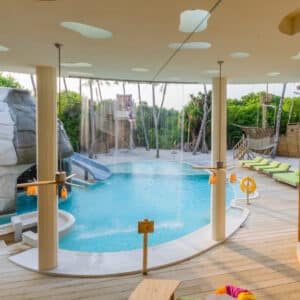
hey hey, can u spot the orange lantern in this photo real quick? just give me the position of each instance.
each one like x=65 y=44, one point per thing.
x=64 y=193
x=31 y=190
x=232 y=178
x=213 y=178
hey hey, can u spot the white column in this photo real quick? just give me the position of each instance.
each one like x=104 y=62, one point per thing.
x=46 y=166
x=219 y=146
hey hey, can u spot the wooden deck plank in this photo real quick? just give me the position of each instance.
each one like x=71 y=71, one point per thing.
x=261 y=256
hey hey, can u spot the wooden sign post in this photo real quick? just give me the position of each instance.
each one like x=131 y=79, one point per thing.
x=145 y=227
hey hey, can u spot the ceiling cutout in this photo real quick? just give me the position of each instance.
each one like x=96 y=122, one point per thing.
x=273 y=74
x=3 y=49
x=212 y=72
x=240 y=55
x=139 y=69
x=290 y=24
x=87 y=31
x=193 y=20
x=296 y=57
x=192 y=45
x=76 y=65
x=174 y=78
x=80 y=74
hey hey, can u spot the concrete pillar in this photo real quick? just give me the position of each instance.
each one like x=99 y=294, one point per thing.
x=219 y=146
x=47 y=166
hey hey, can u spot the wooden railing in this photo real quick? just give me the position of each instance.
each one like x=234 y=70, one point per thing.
x=241 y=148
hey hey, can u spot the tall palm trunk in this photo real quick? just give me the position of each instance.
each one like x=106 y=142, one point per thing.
x=92 y=122
x=277 y=131
x=156 y=115
x=143 y=118
x=203 y=122
x=33 y=85
x=99 y=91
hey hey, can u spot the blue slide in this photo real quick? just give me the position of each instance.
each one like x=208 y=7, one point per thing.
x=97 y=170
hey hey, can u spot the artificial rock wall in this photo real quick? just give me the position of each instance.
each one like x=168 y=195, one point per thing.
x=18 y=142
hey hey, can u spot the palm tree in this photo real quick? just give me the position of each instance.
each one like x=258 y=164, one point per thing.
x=143 y=118
x=201 y=134
x=276 y=140
x=156 y=114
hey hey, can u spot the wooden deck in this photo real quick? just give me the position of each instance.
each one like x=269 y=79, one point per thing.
x=261 y=256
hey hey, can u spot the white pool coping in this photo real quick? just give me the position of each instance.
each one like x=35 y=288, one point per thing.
x=66 y=222
x=78 y=264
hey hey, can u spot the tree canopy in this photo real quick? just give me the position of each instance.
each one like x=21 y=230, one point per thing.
x=8 y=81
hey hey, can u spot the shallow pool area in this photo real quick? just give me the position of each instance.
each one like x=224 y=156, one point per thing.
x=174 y=195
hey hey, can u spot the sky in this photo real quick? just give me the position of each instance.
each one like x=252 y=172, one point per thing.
x=177 y=94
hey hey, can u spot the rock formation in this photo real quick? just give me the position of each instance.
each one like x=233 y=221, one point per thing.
x=18 y=142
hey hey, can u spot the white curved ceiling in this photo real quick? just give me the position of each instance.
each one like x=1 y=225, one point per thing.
x=141 y=32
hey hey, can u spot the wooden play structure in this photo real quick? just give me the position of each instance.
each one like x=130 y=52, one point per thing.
x=254 y=140
x=289 y=144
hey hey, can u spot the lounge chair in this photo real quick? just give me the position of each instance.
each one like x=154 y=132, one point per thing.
x=263 y=162
x=273 y=164
x=256 y=160
x=291 y=178
x=283 y=168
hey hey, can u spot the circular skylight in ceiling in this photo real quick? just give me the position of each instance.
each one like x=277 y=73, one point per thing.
x=191 y=45
x=3 y=49
x=81 y=74
x=88 y=31
x=240 y=55
x=296 y=57
x=193 y=20
x=140 y=69
x=76 y=65
x=273 y=74
x=212 y=72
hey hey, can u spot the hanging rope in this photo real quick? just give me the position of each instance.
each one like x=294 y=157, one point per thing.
x=170 y=58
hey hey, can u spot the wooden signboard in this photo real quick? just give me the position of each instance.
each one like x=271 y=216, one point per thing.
x=145 y=227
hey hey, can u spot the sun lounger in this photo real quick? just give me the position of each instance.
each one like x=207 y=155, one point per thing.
x=273 y=164
x=255 y=160
x=263 y=162
x=291 y=178
x=283 y=168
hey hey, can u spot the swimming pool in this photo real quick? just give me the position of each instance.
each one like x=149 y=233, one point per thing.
x=174 y=195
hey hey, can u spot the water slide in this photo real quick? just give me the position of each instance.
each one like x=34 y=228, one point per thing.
x=97 y=170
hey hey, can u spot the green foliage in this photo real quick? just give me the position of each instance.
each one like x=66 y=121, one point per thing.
x=169 y=132
x=69 y=112
x=8 y=81
x=246 y=111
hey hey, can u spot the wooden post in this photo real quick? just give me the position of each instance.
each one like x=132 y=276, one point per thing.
x=145 y=227
x=46 y=167
x=219 y=148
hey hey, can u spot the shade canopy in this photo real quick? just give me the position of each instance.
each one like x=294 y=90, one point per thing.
x=134 y=38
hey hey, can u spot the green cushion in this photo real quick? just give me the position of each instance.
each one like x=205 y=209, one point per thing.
x=290 y=178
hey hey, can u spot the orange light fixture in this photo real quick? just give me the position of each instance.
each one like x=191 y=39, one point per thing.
x=213 y=178
x=64 y=193
x=31 y=190
x=232 y=178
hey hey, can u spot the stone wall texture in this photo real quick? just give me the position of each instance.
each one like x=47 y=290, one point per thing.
x=18 y=142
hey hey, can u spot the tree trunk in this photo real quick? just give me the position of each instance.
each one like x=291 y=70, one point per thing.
x=203 y=122
x=65 y=85
x=276 y=140
x=143 y=118
x=204 y=148
x=156 y=115
x=99 y=91
x=33 y=85
x=92 y=122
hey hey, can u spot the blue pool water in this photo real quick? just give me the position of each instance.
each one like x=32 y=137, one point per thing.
x=174 y=195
